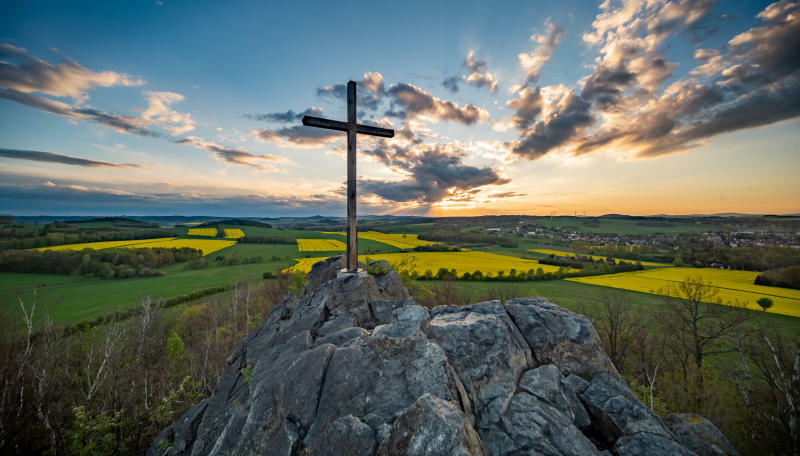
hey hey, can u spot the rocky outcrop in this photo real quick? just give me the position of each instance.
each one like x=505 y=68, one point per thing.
x=354 y=367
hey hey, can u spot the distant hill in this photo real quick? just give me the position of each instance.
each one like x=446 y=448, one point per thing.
x=239 y=222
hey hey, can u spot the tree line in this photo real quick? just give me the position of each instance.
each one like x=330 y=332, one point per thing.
x=53 y=234
x=108 y=263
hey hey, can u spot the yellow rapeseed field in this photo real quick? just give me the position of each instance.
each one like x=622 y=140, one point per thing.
x=320 y=245
x=233 y=233
x=734 y=286
x=402 y=241
x=487 y=263
x=206 y=245
x=105 y=244
x=594 y=257
x=210 y=232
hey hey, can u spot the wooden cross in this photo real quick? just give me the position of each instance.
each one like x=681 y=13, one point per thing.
x=351 y=127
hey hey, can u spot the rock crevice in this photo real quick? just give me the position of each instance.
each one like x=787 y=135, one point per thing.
x=354 y=367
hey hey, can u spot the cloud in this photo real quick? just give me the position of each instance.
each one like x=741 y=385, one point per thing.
x=159 y=112
x=122 y=124
x=370 y=91
x=430 y=172
x=22 y=77
x=51 y=157
x=477 y=75
x=231 y=155
x=417 y=102
x=545 y=43
x=24 y=73
x=451 y=83
x=298 y=136
x=527 y=107
x=571 y=116
x=506 y=195
x=285 y=117
x=623 y=106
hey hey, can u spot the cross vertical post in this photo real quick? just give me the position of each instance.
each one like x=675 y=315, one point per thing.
x=352 y=223
x=352 y=128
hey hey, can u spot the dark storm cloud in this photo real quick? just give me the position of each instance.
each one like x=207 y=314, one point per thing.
x=51 y=157
x=284 y=117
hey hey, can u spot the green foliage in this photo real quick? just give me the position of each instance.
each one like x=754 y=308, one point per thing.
x=764 y=303
x=642 y=392
x=297 y=282
x=248 y=374
x=92 y=435
x=107 y=263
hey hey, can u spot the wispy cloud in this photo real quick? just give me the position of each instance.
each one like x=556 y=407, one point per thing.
x=545 y=42
x=51 y=157
x=24 y=73
x=234 y=156
x=284 y=117
x=477 y=74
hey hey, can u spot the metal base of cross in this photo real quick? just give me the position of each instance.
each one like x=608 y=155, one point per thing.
x=343 y=273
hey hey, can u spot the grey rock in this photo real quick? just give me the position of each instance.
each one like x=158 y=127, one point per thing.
x=617 y=412
x=489 y=355
x=549 y=385
x=699 y=435
x=535 y=425
x=558 y=336
x=431 y=427
x=345 y=435
x=644 y=444
x=352 y=366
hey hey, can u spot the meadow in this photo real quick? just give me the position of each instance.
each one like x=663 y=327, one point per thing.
x=734 y=287
x=595 y=257
x=419 y=262
x=320 y=245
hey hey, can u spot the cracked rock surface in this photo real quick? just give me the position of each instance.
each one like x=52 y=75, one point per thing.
x=354 y=367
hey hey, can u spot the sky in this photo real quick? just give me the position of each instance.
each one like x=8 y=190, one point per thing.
x=164 y=107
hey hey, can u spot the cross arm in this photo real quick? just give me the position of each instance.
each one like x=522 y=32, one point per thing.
x=319 y=122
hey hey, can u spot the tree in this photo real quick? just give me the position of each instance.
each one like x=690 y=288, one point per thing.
x=615 y=323
x=764 y=303
x=699 y=325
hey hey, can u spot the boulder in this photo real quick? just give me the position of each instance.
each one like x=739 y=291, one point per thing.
x=352 y=366
x=699 y=435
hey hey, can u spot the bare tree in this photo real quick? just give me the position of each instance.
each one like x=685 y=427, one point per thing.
x=698 y=319
x=98 y=358
x=616 y=323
